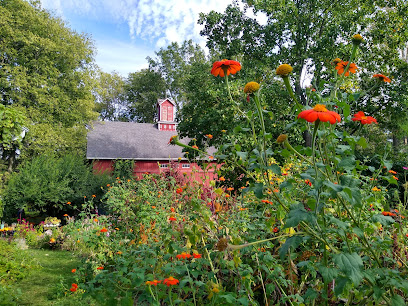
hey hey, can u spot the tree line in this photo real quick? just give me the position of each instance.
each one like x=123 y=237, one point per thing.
x=51 y=89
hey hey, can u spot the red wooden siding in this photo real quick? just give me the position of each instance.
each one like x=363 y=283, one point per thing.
x=194 y=172
x=166 y=111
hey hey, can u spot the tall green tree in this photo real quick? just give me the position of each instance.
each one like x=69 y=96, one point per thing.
x=45 y=69
x=110 y=96
x=142 y=90
x=173 y=64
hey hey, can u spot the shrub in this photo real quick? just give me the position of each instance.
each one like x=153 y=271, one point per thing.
x=47 y=184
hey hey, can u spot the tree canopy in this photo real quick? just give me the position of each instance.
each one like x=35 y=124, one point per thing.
x=45 y=70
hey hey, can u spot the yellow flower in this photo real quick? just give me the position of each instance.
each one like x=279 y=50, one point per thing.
x=376 y=189
x=357 y=39
x=251 y=87
x=284 y=70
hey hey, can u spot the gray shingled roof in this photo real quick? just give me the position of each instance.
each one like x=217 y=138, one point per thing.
x=130 y=140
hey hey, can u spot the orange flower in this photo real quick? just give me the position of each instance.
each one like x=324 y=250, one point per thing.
x=66 y=215
x=95 y=220
x=94 y=196
x=227 y=195
x=179 y=190
x=222 y=179
x=52 y=240
x=73 y=270
x=225 y=67
x=173 y=139
x=104 y=230
x=209 y=136
x=382 y=77
x=194 y=147
x=342 y=65
x=308 y=182
x=230 y=188
x=153 y=282
x=392 y=172
x=320 y=112
x=170 y=281
x=69 y=203
x=196 y=255
x=394 y=177
x=363 y=118
x=183 y=255
x=99 y=268
x=375 y=188
x=74 y=287
x=107 y=185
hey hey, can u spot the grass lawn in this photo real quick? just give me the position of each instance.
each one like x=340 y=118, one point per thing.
x=48 y=284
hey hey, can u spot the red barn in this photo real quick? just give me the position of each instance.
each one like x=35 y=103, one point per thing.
x=144 y=143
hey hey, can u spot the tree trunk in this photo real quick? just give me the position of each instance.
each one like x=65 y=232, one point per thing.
x=395 y=143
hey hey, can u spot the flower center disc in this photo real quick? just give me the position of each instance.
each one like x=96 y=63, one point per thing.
x=320 y=108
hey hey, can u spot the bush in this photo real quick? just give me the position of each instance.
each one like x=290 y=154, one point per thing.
x=47 y=184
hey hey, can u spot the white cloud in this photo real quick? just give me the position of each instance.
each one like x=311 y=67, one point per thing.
x=121 y=57
x=157 y=22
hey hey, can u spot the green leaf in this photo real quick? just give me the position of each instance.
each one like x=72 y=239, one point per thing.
x=290 y=243
x=275 y=169
x=362 y=142
x=341 y=283
x=298 y=214
x=348 y=163
x=351 y=265
x=328 y=273
x=397 y=300
x=384 y=220
x=242 y=155
x=258 y=189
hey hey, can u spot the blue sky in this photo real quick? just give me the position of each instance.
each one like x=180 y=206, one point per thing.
x=125 y=32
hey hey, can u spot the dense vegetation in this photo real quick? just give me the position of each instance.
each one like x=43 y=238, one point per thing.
x=309 y=207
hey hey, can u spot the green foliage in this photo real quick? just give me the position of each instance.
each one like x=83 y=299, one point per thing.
x=123 y=169
x=142 y=90
x=110 y=95
x=173 y=64
x=47 y=184
x=45 y=69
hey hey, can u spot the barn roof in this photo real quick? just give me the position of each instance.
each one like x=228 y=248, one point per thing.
x=130 y=140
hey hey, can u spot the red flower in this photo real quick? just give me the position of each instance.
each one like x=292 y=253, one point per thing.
x=196 y=255
x=179 y=190
x=308 y=182
x=320 y=112
x=382 y=77
x=73 y=270
x=225 y=67
x=363 y=118
x=99 y=268
x=183 y=255
x=342 y=65
x=172 y=219
x=170 y=281
x=104 y=230
x=275 y=230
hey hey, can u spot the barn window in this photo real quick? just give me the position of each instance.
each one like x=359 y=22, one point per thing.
x=185 y=166
x=164 y=165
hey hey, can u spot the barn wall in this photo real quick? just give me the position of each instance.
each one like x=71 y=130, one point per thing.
x=144 y=167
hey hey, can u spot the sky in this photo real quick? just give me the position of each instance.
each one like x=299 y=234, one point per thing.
x=125 y=32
